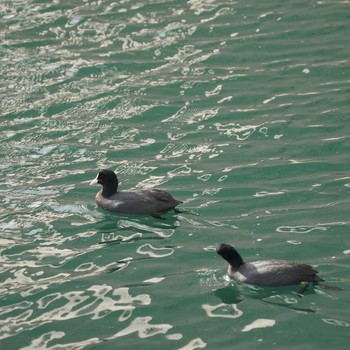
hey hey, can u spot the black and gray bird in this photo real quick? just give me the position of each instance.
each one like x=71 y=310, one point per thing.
x=266 y=272
x=146 y=202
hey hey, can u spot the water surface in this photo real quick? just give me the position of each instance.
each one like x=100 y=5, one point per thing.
x=239 y=109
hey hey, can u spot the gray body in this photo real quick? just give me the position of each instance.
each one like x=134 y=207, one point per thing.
x=273 y=273
x=266 y=272
x=147 y=202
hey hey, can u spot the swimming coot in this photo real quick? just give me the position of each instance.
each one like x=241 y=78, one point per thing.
x=147 y=202
x=266 y=272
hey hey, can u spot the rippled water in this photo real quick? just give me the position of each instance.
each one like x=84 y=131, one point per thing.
x=240 y=109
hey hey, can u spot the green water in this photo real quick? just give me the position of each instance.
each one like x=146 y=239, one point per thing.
x=240 y=109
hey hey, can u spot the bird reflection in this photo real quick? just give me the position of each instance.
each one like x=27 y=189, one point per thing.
x=117 y=229
x=229 y=295
x=236 y=294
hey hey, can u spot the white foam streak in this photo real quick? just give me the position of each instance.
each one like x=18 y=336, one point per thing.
x=259 y=323
x=143 y=328
x=197 y=343
x=222 y=310
x=153 y=252
x=42 y=342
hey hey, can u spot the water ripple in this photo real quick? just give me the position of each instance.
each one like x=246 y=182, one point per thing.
x=96 y=302
x=222 y=310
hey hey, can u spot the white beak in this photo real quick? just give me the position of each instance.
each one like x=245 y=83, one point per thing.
x=94 y=181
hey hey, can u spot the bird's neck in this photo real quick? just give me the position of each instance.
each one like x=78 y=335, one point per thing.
x=109 y=190
x=235 y=260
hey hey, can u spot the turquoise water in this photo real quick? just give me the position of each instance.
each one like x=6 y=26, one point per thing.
x=240 y=109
